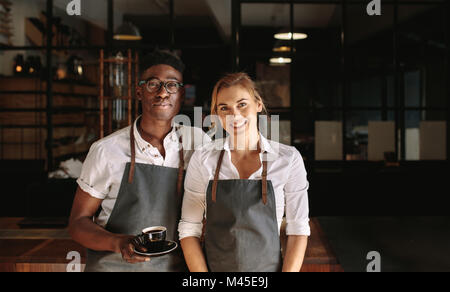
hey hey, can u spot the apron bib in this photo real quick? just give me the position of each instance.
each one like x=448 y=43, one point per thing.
x=148 y=196
x=241 y=228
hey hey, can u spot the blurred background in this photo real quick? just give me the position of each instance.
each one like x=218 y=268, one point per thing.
x=365 y=99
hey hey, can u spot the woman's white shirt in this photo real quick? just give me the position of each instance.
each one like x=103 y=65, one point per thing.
x=285 y=169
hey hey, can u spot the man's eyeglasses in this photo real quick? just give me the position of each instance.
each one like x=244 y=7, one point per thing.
x=154 y=85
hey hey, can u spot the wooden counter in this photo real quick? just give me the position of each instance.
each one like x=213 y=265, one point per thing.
x=35 y=250
x=46 y=250
x=319 y=256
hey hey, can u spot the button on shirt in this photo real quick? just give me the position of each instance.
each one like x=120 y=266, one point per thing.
x=285 y=168
x=105 y=163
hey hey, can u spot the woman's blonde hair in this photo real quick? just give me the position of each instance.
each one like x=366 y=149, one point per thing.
x=236 y=79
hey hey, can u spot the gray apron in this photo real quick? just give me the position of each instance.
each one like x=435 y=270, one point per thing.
x=149 y=195
x=241 y=225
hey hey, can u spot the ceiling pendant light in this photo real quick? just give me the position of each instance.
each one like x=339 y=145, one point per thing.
x=280 y=61
x=282 y=46
x=127 y=32
x=288 y=36
x=282 y=49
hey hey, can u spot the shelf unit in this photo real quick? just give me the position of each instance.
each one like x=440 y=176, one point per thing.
x=5 y=22
x=132 y=103
x=23 y=118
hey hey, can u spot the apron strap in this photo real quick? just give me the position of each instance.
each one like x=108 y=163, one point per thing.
x=216 y=176
x=264 y=178
x=133 y=155
x=133 y=162
x=180 y=169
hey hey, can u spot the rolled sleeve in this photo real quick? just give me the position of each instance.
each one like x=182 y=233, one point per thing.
x=296 y=196
x=193 y=209
x=90 y=190
x=95 y=178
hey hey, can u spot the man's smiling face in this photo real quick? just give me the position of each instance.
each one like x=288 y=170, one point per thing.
x=161 y=105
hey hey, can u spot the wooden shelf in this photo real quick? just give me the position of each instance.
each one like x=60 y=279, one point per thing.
x=114 y=98
x=5 y=24
x=39 y=118
x=36 y=85
x=23 y=120
x=26 y=143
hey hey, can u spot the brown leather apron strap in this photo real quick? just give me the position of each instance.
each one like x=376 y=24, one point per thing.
x=216 y=176
x=133 y=162
x=133 y=155
x=180 y=170
x=264 y=179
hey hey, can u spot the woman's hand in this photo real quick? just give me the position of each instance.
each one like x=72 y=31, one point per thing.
x=125 y=245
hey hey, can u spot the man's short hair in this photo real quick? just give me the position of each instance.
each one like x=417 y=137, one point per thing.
x=160 y=57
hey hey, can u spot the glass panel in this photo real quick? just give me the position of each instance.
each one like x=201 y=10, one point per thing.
x=413 y=120
x=29 y=20
x=367 y=91
x=202 y=35
x=422 y=33
x=21 y=26
x=412 y=81
x=328 y=115
x=23 y=22
x=87 y=29
x=381 y=142
x=318 y=68
x=433 y=140
x=356 y=139
x=369 y=55
x=328 y=140
x=317 y=73
x=200 y=23
x=390 y=90
x=303 y=133
x=149 y=18
x=197 y=22
x=258 y=45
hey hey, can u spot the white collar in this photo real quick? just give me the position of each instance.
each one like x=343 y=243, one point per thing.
x=142 y=144
x=263 y=142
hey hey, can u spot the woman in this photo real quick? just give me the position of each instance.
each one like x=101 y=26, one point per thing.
x=243 y=194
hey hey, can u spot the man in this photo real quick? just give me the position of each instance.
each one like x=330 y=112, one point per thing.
x=136 y=176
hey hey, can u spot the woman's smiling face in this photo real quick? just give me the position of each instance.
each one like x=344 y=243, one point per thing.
x=238 y=110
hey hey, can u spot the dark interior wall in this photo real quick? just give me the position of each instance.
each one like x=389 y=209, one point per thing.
x=361 y=189
x=422 y=46
x=27 y=192
x=435 y=81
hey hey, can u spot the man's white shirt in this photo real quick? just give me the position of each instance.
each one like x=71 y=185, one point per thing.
x=104 y=167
